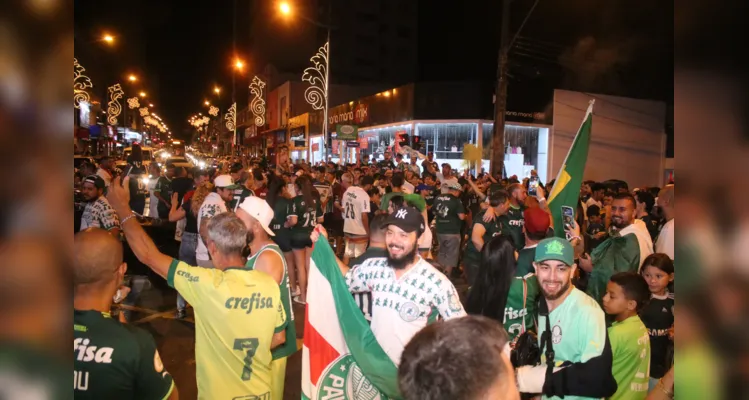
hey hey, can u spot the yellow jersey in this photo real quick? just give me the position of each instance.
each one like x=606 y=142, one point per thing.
x=237 y=311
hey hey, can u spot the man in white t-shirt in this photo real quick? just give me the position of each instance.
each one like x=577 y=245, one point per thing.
x=214 y=204
x=105 y=168
x=665 y=242
x=408 y=293
x=355 y=218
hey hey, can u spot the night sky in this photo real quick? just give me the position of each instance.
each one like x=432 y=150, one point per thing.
x=180 y=49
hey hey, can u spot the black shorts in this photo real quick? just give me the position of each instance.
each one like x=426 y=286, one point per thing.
x=300 y=241
x=283 y=241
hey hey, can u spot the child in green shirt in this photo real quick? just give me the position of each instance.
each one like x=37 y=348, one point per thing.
x=626 y=294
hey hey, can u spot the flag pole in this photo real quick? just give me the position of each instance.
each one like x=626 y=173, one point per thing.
x=587 y=112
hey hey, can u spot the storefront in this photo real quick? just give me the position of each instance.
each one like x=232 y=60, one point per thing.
x=298 y=137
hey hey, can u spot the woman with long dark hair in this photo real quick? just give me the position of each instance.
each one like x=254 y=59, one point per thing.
x=306 y=212
x=498 y=294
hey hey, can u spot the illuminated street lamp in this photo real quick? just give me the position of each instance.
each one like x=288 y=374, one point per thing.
x=284 y=7
x=108 y=38
x=150 y=105
x=132 y=78
x=238 y=64
x=217 y=90
x=142 y=94
x=207 y=103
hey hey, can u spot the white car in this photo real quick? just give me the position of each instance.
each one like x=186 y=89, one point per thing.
x=178 y=162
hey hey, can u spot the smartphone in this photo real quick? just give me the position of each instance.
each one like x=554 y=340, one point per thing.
x=568 y=216
x=125 y=172
x=532 y=185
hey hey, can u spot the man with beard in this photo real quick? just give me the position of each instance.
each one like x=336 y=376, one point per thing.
x=408 y=292
x=267 y=257
x=623 y=251
x=98 y=213
x=577 y=332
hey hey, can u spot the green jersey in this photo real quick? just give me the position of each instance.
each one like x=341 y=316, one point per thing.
x=578 y=331
x=115 y=361
x=289 y=347
x=307 y=215
x=280 y=215
x=240 y=194
x=446 y=211
x=514 y=222
x=237 y=312
x=520 y=309
x=525 y=261
x=492 y=228
x=630 y=347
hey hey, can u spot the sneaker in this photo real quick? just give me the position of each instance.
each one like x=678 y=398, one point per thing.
x=180 y=314
x=297 y=300
x=297 y=292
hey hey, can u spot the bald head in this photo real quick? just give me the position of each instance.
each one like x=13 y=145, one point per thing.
x=97 y=254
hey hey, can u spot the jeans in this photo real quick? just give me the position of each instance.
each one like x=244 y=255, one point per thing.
x=137 y=284
x=187 y=255
x=449 y=252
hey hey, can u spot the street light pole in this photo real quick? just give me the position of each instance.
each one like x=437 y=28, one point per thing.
x=326 y=130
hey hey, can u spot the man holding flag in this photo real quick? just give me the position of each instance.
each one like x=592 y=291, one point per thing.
x=408 y=293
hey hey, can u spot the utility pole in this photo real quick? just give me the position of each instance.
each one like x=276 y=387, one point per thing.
x=500 y=99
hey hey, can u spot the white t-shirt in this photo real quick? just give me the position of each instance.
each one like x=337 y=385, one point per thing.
x=665 y=242
x=153 y=201
x=355 y=202
x=444 y=181
x=212 y=205
x=408 y=187
x=104 y=174
x=402 y=307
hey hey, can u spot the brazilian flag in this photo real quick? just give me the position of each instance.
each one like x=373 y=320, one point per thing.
x=566 y=190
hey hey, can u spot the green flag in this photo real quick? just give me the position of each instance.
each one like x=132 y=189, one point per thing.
x=566 y=190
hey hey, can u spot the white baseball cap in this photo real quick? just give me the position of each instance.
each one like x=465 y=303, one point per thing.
x=260 y=210
x=224 y=181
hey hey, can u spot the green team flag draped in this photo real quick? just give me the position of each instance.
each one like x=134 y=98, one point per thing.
x=566 y=190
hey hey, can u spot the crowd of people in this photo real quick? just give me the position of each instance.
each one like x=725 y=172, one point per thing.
x=465 y=283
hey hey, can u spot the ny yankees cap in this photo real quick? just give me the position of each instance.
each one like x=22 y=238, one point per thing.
x=556 y=249
x=407 y=218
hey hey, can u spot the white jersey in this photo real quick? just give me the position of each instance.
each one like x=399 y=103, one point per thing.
x=355 y=202
x=212 y=206
x=402 y=307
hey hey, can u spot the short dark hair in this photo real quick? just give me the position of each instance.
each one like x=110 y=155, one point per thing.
x=460 y=358
x=397 y=180
x=257 y=174
x=634 y=287
x=646 y=198
x=624 y=196
x=593 y=211
x=367 y=180
x=597 y=186
x=498 y=197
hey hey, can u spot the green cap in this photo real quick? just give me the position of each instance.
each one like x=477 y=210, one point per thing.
x=555 y=249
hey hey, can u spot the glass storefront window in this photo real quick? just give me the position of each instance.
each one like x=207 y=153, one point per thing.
x=447 y=140
x=380 y=139
x=528 y=149
x=315 y=155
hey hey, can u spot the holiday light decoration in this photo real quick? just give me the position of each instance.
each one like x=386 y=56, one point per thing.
x=143 y=111
x=80 y=83
x=231 y=117
x=317 y=76
x=213 y=111
x=133 y=103
x=257 y=105
x=113 y=106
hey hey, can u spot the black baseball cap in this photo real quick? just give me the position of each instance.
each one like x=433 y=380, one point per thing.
x=96 y=180
x=407 y=218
